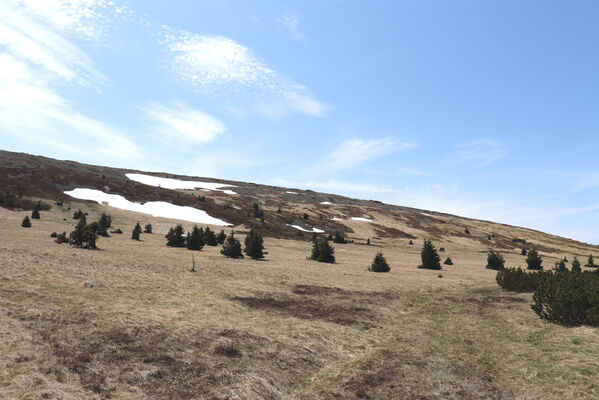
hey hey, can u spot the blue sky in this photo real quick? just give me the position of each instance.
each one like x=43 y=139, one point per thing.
x=478 y=108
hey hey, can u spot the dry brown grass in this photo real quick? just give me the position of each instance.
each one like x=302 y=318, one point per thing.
x=130 y=321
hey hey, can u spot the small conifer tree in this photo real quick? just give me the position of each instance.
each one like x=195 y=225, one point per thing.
x=591 y=261
x=210 y=237
x=448 y=261
x=254 y=245
x=136 y=232
x=148 y=228
x=26 y=223
x=523 y=252
x=560 y=266
x=379 y=264
x=467 y=231
x=174 y=237
x=314 y=253
x=84 y=235
x=495 y=260
x=430 y=257
x=232 y=247
x=411 y=243
x=35 y=214
x=195 y=239
x=62 y=238
x=220 y=238
x=326 y=252
x=339 y=238
x=534 y=261
x=576 y=265
x=368 y=242
x=104 y=223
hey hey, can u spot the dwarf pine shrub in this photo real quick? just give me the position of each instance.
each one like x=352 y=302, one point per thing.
x=174 y=237
x=136 y=232
x=26 y=223
x=195 y=239
x=429 y=256
x=232 y=247
x=254 y=245
x=518 y=280
x=148 y=228
x=534 y=260
x=495 y=260
x=448 y=261
x=568 y=298
x=35 y=214
x=379 y=264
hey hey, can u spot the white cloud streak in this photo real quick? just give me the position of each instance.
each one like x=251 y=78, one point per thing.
x=353 y=152
x=479 y=153
x=36 y=57
x=221 y=67
x=291 y=23
x=179 y=121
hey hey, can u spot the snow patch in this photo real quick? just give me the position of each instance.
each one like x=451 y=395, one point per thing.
x=326 y=202
x=169 y=183
x=362 y=219
x=428 y=215
x=291 y=192
x=315 y=230
x=337 y=219
x=155 y=208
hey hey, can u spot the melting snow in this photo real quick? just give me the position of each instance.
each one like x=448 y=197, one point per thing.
x=326 y=202
x=291 y=192
x=169 y=183
x=361 y=219
x=155 y=208
x=316 y=230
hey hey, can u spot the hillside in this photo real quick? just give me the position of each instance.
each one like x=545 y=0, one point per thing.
x=132 y=321
x=45 y=178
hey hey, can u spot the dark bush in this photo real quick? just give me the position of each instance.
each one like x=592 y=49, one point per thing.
x=62 y=238
x=174 y=237
x=195 y=239
x=523 y=252
x=560 y=266
x=232 y=247
x=322 y=251
x=518 y=280
x=576 y=265
x=254 y=245
x=104 y=223
x=84 y=235
x=534 y=260
x=448 y=261
x=379 y=264
x=136 y=232
x=53 y=234
x=441 y=249
x=411 y=243
x=568 y=298
x=368 y=242
x=467 y=231
x=26 y=223
x=430 y=257
x=210 y=237
x=220 y=238
x=518 y=240
x=591 y=262
x=35 y=214
x=148 y=228
x=117 y=231
x=339 y=239
x=495 y=260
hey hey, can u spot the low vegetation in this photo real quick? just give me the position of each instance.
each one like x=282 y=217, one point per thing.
x=232 y=247
x=429 y=256
x=379 y=264
x=534 y=260
x=518 y=280
x=495 y=260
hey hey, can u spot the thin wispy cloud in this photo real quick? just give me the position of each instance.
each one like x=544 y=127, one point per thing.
x=221 y=67
x=291 y=24
x=589 y=181
x=354 y=152
x=37 y=57
x=479 y=153
x=180 y=121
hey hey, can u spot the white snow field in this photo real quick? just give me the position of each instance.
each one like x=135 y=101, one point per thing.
x=352 y=218
x=316 y=230
x=291 y=192
x=326 y=202
x=169 y=183
x=155 y=208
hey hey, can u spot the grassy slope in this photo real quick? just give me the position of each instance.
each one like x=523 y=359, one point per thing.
x=130 y=321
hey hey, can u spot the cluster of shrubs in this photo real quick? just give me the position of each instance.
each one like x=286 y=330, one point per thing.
x=35 y=214
x=322 y=251
x=197 y=238
x=12 y=201
x=565 y=296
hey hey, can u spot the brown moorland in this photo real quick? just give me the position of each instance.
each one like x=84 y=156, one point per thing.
x=130 y=321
